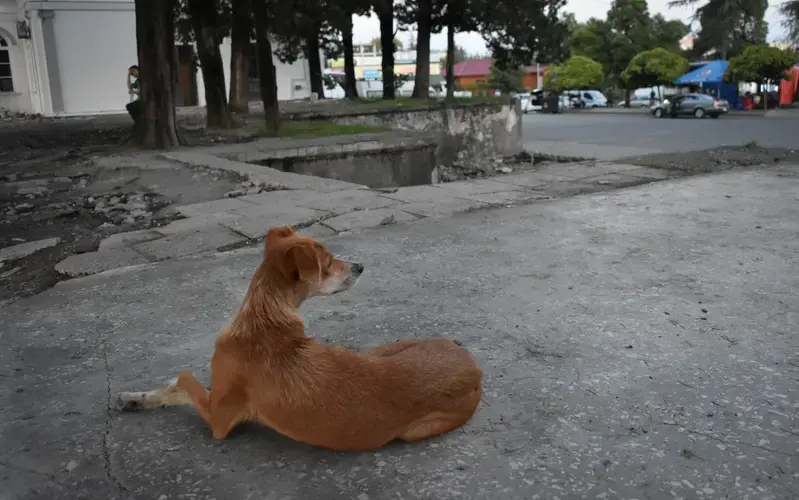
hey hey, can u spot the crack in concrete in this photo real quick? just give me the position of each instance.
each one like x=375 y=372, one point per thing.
x=109 y=472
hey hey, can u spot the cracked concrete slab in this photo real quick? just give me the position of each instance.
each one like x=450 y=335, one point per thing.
x=84 y=264
x=28 y=248
x=636 y=344
x=177 y=245
x=364 y=219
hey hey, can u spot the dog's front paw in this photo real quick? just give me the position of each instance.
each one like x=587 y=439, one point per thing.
x=130 y=401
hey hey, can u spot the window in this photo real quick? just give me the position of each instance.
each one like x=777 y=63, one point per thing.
x=6 y=82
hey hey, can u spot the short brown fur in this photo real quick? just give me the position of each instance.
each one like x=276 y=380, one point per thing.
x=266 y=369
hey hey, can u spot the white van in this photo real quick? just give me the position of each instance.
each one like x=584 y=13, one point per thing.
x=588 y=98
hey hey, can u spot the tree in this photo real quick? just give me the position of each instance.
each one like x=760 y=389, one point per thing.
x=790 y=13
x=385 y=14
x=240 y=37
x=667 y=33
x=156 y=126
x=578 y=72
x=425 y=14
x=341 y=19
x=455 y=16
x=208 y=35
x=761 y=64
x=727 y=26
x=505 y=79
x=520 y=33
x=266 y=66
x=655 y=67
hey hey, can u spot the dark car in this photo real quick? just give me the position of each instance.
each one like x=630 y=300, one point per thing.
x=698 y=105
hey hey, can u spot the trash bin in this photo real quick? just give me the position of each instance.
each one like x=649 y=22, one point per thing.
x=550 y=104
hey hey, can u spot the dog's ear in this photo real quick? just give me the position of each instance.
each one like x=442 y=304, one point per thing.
x=278 y=233
x=302 y=263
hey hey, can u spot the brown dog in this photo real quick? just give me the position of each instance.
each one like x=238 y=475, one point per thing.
x=266 y=369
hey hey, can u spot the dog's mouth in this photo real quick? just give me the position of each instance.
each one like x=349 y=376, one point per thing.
x=355 y=273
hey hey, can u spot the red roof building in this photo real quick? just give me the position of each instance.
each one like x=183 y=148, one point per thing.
x=474 y=73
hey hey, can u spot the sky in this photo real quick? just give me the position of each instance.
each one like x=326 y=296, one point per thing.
x=366 y=29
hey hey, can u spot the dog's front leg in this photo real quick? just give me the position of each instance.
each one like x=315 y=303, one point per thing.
x=171 y=395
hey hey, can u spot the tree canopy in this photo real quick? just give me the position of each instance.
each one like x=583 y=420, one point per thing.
x=727 y=26
x=760 y=64
x=578 y=72
x=655 y=67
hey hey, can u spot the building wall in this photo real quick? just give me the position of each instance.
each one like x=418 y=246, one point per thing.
x=18 y=100
x=529 y=81
x=76 y=59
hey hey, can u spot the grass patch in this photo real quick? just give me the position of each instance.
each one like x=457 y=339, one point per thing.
x=319 y=128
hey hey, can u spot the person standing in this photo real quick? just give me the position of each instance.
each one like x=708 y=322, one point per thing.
x=133 y=82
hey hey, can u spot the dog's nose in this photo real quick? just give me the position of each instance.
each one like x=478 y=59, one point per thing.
x=358 y=268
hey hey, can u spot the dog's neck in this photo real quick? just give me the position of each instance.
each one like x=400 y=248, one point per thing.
x=269 y=308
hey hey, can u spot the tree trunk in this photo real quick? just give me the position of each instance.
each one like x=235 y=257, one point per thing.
x=386 y=16
x=239 y=60
x=267 y=76
x=450 y=58
x=350 y=89
x=204 y=22
x=315 y=62
x=156 y=126
x=421 y=84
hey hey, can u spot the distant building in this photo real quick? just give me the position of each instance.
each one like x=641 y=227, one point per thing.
x=71 y=57
x=476 y=72
x=368 y=62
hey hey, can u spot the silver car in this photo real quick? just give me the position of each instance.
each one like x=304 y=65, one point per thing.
x=698 y=105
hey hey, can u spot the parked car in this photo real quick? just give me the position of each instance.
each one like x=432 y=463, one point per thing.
x=639 y=102
x=698 y=105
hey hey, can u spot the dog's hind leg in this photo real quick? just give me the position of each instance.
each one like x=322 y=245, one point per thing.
x=222 y=409
x=171 y=395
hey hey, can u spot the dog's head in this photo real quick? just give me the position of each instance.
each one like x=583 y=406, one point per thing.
x=304 y=266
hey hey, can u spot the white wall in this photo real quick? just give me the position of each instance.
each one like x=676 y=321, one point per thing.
x=225 y=48
x=95 y=49
x=19 y=100
x=291 y=76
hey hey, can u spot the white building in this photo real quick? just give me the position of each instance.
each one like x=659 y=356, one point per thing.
x=71 y=57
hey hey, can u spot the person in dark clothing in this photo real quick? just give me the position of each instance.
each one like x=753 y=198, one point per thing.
x=134 y=106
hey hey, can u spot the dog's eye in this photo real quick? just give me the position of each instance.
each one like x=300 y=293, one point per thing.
x=330 y=263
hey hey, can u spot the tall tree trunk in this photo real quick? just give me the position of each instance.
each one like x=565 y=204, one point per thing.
x=205 y=22
x=350 y=89
x=156 y=123
x=421 y=85
x=267 y=76
x=450 y=58
x=315 y=62
x=239 y=57
x=386 y=16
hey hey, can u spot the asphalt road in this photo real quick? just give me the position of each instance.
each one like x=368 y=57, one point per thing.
x=610 y=136
x=636 y=344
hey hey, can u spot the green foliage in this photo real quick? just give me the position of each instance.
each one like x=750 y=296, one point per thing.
x=727 y=26
x=578 y=72
x=506 y=80
x=518 y=33
x=790 y=15
x=761 y=63
x=627 y=30
x=655 y=67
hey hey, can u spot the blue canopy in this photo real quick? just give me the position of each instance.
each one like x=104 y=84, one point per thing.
x=712 y=72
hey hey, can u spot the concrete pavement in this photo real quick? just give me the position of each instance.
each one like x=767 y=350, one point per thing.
x=639 y=343
x=326 y=207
